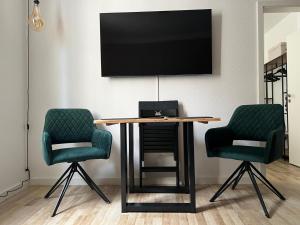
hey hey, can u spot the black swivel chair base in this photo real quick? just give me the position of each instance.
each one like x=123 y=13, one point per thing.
x=74 y=167
x=236 y=177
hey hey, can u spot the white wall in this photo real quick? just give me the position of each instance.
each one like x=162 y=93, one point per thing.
x=12 y=92
x=281 y=30
x=279 y=33
x=65 y=72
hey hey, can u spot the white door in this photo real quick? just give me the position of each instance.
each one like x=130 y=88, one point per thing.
x=293 y=68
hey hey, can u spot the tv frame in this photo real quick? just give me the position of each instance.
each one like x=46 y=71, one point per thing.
x=159 y=74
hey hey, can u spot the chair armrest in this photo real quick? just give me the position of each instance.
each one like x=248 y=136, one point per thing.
x=275 y=145
x=47 y=147
x=218 y=137
x=102 y=139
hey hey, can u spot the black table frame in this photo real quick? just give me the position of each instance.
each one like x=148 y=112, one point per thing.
x=129 y=187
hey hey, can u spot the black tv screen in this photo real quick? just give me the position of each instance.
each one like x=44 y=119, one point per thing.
x=156 y=43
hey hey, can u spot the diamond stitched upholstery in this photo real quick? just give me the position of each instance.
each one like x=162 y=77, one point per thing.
x=255 y=122
x=69 y=125
x=249 y=122
x=73 y=126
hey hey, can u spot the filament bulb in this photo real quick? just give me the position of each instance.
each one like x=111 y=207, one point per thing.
x=35 y=20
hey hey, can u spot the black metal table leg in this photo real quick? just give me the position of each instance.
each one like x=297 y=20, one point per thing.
x=123 y=136
x=176 y=158
x=189 y=186
x=141 y=156
x=185 y=157
x=191 y=164
x=131 y=158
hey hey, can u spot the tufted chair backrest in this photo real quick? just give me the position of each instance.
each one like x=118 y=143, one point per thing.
x=69 y=125
x=254 y=122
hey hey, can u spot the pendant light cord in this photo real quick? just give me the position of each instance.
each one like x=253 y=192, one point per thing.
x=20 y=186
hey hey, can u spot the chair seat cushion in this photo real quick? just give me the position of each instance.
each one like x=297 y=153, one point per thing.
x=77 y=154
x=240 y=152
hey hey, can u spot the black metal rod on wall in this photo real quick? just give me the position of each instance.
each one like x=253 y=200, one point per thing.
x=28 y=101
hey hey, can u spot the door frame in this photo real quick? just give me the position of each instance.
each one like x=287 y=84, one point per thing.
x=261 y=7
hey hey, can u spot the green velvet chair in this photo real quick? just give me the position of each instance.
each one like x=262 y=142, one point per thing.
x=249 y=122
x=73 y=126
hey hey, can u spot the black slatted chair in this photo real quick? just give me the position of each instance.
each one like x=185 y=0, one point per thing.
x=158 y=137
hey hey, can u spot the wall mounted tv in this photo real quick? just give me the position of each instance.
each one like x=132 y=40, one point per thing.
x=156 y=43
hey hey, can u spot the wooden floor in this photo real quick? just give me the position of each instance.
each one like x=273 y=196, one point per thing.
x=82 y=206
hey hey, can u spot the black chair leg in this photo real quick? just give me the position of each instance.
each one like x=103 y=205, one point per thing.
x=227 y=183
x=69 y=178
x=267 y=183
x=247 y=166
x=58 y=182
x=75 y=167
x=91 y=183
x=86 y=181
x=239 y=177
x=257 y=190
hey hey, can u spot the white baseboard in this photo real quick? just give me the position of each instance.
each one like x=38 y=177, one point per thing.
x=116 y=181
x=75 y=181
x=219 y=180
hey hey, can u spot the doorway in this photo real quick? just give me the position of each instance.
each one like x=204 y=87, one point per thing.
x=279 y=67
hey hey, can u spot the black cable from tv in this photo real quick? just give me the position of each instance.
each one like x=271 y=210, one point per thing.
x=158 y=88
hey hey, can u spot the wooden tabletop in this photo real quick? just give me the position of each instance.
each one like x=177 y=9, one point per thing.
x=156 y=120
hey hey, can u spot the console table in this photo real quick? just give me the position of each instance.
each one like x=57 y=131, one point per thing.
x=189 y=167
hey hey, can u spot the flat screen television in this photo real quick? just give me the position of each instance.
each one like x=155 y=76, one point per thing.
x=156 y=43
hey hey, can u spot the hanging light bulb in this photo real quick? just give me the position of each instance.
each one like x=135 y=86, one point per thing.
x=35 y=20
